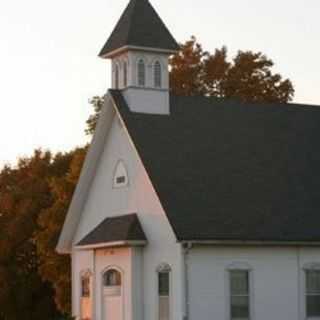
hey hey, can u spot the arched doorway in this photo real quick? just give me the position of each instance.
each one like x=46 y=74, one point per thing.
x=112 y=295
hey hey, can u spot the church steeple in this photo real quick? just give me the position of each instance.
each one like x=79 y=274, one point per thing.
x=139 y=27
x=139 y=47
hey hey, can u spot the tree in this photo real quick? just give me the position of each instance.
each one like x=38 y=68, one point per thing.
x=248 y=77
x=24 y=193
x=97 y=103
x=56 y=268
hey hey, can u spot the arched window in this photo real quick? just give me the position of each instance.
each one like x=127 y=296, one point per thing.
x=141 y=73
x=112 y=278
x=157 y=74
x=125 y=74
x=120 y=176
x=86 y=295
x=85 y=286
x=116 y=76
x=164 y=291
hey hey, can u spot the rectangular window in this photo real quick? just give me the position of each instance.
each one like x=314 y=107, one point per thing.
x=164 y=295
x=239 y=295
x=121 y=180
x=313 y=293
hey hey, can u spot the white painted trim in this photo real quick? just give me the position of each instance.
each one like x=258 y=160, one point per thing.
x=240 y=266
x=113 y=53
x=86 y=177
x=131 y=243
x=252 y=243
x=311 y=266
x=147 y=88
x=164 y=267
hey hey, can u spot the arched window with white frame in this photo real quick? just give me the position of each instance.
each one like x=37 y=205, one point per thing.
x=157 y=74
x=117 y=76
x=164 y=291
x=125 y=73
x=141 y=73
x=86 y=295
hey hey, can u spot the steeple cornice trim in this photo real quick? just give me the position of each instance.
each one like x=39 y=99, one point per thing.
x=116 y=52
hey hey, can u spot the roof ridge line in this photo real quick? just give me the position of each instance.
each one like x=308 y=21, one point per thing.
x=130 y=20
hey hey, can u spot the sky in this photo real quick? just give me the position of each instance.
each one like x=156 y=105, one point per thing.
x=49 y=67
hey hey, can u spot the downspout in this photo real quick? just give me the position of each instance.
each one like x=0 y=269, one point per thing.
x=299 y=283
x=186 y=250
x=94 y=289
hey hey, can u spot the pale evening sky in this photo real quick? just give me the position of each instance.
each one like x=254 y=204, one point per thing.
x=49 y=66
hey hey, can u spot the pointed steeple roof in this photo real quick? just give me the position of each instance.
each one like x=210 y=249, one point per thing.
x=140 y=26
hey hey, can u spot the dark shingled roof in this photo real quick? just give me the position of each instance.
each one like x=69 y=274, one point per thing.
x=121 y=228
x=140 y=25
x=230 y=171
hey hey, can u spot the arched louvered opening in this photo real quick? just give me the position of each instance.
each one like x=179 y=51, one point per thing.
x=141 y=73
x=116 y=76
x=125 y=74
x=157 y=74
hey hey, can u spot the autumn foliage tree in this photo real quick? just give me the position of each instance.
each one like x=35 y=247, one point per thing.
x=247 y=77
x=24 y=193
x=53 y=267
x=34 y=198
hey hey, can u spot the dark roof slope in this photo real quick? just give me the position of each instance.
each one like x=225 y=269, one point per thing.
x=121 y=228
x=140 y=25
x=231 y=171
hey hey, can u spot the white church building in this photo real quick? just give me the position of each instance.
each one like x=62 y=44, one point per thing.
x=192 y=208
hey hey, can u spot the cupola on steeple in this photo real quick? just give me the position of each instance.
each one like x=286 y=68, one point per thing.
x=139 y=47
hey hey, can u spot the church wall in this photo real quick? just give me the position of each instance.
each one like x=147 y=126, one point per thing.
x=276 y=276
x=139 y=197
x=148 y=100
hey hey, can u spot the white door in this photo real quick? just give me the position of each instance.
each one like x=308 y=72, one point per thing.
x=112 y=295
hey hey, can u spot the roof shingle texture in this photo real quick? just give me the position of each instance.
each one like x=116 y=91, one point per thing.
x=141 y=26
x=121 y=228
x=224 y=170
